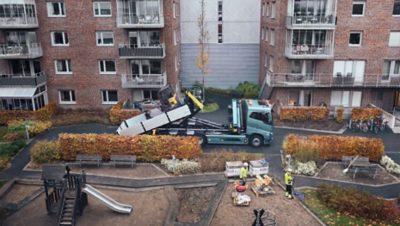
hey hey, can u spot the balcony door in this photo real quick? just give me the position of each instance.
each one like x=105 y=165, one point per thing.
x=303 y=68
x=144 y=38
x=24 y=67
x=20 y=38
x=146 y=67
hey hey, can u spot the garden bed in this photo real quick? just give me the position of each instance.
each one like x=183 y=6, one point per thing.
x=334 y=171
x=330 y=125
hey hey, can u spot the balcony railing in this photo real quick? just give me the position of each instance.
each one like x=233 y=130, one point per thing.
x=144 y=81
x=309 y=51
x=130 y=20
x=148 y=51
x=22 y=80
x=19 y=22
x=32 y=50
x=328 y=80
x=321 y=22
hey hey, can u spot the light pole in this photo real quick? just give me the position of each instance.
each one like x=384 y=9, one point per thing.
x=27 y=132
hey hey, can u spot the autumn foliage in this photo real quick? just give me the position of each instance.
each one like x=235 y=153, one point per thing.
x=43 y=114
x=298 y=114
x=363 y=114
x=145 y=147
x=118 y=114
x=339 y=114
x=333 y=147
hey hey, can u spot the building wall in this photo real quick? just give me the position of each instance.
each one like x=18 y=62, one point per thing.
x=231 y=62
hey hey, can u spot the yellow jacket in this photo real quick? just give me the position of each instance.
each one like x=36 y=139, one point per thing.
x=243 y=172
x=288 y=179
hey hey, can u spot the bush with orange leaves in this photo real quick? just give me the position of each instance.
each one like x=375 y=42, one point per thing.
x=300 y=114
x=363 y=114
x=145 y=147
x=43 y=114
x=316 y=147
x=118 y=114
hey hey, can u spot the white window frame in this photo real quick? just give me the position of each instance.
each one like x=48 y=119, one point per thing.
x=99 y=35
x=267 y=10
x=98 y=4
x=271 y=64
x=394 y=3
x=71 y=91
x=361 y=38
x=174 y=9
x=266 y=60
x=273 y=10
x=358 y=2
x=262 y=33
x=347 y=98
x=105 y=72
x=68 y=66
x=266 y=35
x=108 y=97
x=175 y=40
x=64 y=37
x=272 y=37
x=394 y=39
x=392 y=67
x=50 y=6
x=176 y=64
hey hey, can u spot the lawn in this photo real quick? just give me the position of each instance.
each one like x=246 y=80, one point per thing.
x=329 y=215
x=3 y=131
x=211 y=107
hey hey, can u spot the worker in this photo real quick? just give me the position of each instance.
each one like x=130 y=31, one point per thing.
x=243 y=172
x=289 y=183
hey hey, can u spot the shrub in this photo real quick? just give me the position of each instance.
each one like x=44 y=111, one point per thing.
x=390 y=165
x=11 y=149
x=308 y=168
x=44 y=114
x=248 y=90
x=339 y=114
x=145 y=147
x=13 y=136
x=363 y=114
x=118 y=114
x=80 y=116
x=333 y=147
x=301 y=114
x=178 y=167
x=3 y=162
x=45 y=151
x=358 y=203
x=35 y=127
x=215 y=161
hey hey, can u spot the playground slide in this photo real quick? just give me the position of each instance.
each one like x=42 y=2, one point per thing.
x=109 y=202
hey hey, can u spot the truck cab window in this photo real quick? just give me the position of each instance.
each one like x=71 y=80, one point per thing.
x=264 y=117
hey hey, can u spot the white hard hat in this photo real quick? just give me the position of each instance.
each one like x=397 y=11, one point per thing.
x=245 y=164
x=289 y=170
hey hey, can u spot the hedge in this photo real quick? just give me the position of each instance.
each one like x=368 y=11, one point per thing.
x=364 y=114
x=35 y=127
x=339 y=114
x=118 y=114
x=43 y=114
x=299 y=114
x=333 y=147
x=145 y=147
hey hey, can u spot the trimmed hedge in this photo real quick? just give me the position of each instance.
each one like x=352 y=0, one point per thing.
x=35 y=127
x=364 y=114
x=45 y=151
x=118 y=114
x=43 y=114
x=300 y=114
x=339 y=114
x=358 y=203
x=145 y=147
x=333 y=147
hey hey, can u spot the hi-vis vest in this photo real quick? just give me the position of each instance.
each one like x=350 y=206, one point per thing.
x=288 y=179
x=243 y=172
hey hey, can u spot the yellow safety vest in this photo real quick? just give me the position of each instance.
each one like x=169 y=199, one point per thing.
x=288 y=179
x=243 y=172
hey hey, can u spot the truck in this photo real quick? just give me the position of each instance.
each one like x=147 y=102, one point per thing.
x=250 y=121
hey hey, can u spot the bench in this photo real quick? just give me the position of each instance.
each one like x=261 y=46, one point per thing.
x=361 y=164
x=88 y=159
x=123 y=160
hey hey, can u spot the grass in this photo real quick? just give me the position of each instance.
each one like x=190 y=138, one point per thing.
x=215 y=161
x=331 y=217
x=211 y=107
x=3 y=131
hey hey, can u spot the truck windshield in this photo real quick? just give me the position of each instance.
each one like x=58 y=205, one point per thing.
x=264 y=117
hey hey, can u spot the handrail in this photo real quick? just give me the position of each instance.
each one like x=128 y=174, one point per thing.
x=142 y=45
x=3 y=75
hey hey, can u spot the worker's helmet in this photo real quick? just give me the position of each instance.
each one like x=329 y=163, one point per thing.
x=245 y=164
x=289 y=170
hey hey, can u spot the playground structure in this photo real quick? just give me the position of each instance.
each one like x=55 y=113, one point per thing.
x=66 y=195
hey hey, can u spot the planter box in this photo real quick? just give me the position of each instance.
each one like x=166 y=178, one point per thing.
x=258 y=167
x=232 y=169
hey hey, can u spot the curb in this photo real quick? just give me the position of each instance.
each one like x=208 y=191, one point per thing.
x=341 y=131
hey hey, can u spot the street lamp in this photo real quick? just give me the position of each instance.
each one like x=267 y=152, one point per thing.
x=27 y=132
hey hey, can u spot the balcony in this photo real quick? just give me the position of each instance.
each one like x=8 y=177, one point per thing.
x=327 y=80
x=142 y=52
x=144 y=81
x=309 y=51
x=18 y=14
x=144 y=21
x=24 y=51
x=311 y=22
x=22 y=80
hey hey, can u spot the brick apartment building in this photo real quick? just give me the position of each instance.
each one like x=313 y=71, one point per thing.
x=88 y=53
x=337 y=52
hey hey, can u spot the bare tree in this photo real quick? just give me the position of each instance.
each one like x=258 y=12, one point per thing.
x=202 y=54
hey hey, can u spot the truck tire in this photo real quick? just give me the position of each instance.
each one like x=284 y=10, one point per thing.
x=256 y=140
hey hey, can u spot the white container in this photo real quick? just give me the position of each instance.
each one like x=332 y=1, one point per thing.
x=258 y=167
x=232 y=169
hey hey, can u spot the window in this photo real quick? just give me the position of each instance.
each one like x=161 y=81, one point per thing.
x=273 y=10
x=174 y=37
x=266 y=35
x=107 y=66
x=346 y=98
x=266 y=60
x=150 y=94
x=219 y=33
x=391 y=68
x=272 y=37
x=219 y=10
x=174 y=9
x=263 y=9
x=396 y=8
x=59 y=38
x=346 y=70
x=67 y=96
x=394 y=39
x=264 y=117
x=105 y=38
x=109 y=96
x=267 y=10
x=271 y=63
x=176 y=64
x=55 y=9
x=355 y=38
x=102 y=9
x=262 y=33
x=358 y=8
x=63 y=66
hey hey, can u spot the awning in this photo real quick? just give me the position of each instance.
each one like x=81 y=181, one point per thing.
x=17 y=92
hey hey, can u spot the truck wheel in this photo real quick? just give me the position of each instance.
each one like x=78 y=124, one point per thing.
x=256 y=140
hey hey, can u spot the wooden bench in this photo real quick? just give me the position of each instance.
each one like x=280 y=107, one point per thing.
x=88 y=159
x=123 y=160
